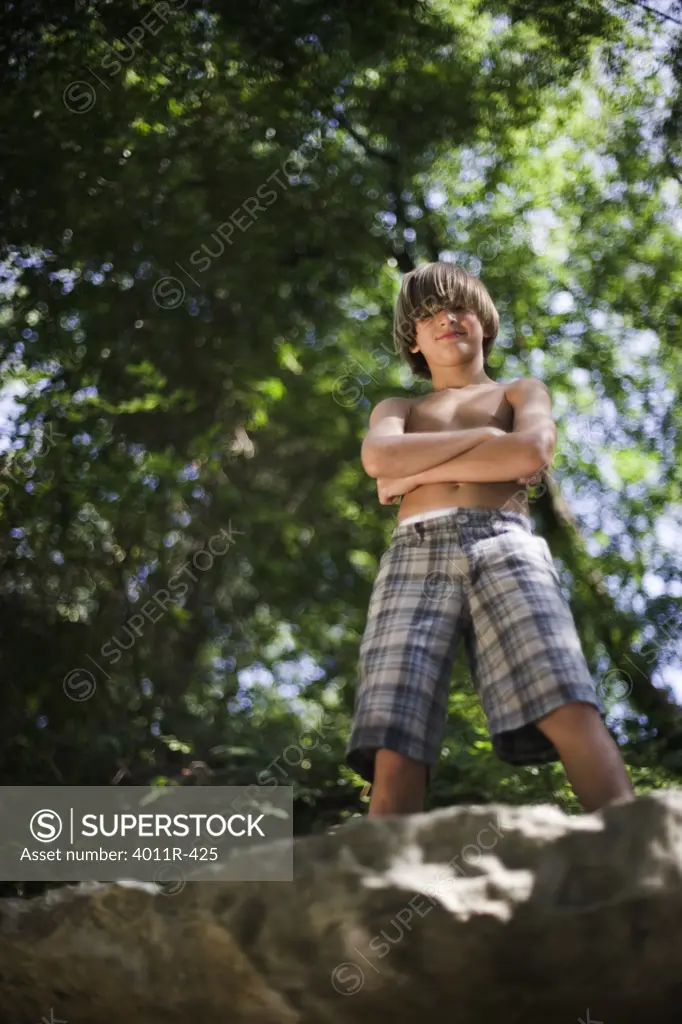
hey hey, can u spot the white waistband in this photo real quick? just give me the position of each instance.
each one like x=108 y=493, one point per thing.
x=430 y=515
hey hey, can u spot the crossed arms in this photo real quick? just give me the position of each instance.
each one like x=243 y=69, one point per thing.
x=400 y=462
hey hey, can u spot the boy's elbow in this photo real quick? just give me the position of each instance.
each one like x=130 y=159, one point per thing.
x=380 y=458
x=369 y=465
x=541 y=452
x=373 y=458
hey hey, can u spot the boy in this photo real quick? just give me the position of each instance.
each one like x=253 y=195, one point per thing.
x=463 y=561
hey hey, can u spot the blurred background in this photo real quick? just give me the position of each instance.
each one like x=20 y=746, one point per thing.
x=206 y=213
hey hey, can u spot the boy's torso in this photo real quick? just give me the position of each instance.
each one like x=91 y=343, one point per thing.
x=482 y=406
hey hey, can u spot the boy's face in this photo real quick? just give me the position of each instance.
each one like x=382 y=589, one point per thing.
x=449 y=338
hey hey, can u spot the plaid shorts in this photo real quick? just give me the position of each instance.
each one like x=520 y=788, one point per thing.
x=484 y=575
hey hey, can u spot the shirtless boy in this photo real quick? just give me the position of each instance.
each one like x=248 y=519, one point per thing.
x=463 y=561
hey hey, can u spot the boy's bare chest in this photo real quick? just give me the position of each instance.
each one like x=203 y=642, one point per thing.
x=461 y=410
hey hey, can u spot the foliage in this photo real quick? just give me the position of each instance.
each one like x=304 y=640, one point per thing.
x=198 y=323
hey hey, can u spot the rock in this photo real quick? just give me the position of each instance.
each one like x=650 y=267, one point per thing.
x=487 y=914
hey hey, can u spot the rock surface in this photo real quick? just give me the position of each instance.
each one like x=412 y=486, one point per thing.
x=516 y=915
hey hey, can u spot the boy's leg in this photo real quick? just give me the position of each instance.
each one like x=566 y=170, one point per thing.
x=414 y=622
x=399 y=784
x=529 y=668
x=591 y=758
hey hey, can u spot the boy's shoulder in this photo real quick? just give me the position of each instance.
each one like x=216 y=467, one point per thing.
x=522 y=386
x=526 y=382
x=399 y=405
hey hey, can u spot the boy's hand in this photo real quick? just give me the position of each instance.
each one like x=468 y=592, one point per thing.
x=390 y=489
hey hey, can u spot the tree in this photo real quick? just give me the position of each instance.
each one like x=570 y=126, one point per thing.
x=199 y=305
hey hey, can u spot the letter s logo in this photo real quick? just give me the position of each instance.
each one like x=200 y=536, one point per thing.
x=45 y=826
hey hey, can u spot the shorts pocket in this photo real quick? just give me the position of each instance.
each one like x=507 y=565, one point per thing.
x=547 y=556
x=504 y=527
x=519 y=539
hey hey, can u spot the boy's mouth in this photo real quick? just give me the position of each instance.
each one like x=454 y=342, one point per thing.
x=453 y=334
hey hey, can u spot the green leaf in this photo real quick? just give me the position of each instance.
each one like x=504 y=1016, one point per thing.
x=635 y=467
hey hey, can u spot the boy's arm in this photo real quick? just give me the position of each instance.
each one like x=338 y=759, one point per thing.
x=522 y=453
x=387 y=451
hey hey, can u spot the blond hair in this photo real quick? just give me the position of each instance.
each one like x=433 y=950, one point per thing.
x=427 y=290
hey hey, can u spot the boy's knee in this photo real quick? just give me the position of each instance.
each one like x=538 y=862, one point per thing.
x=567 y=718
x=391 y=762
